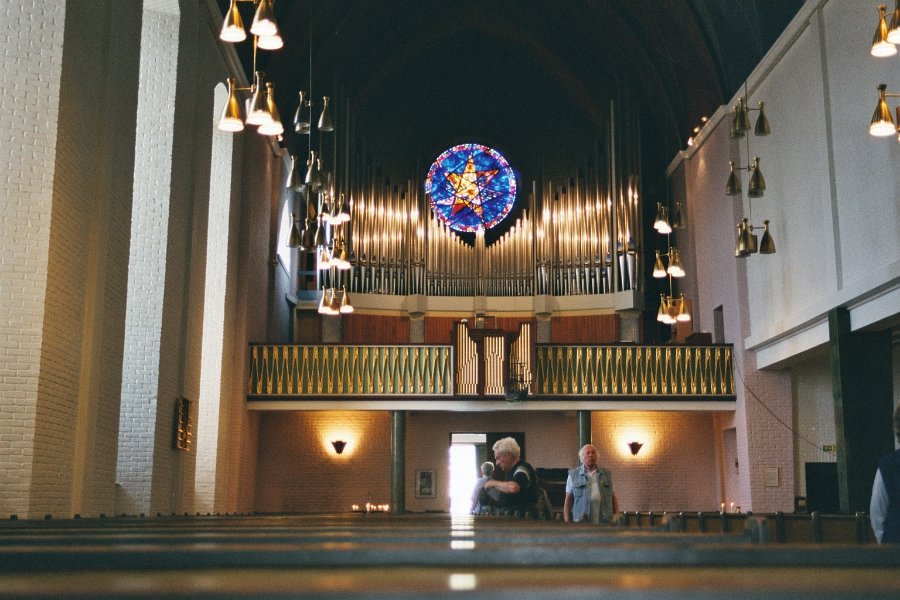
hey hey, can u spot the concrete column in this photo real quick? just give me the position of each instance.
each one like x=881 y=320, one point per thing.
x=584 y=428
x=398 y=462
x=862 y=383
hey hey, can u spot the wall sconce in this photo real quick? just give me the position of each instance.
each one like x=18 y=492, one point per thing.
x=339 y=446
x=635 y=447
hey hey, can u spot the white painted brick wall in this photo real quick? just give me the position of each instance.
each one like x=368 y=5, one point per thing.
x=147 y=263
x=26 y=197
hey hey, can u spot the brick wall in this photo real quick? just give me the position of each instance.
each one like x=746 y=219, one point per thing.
x=26 y=202
x=675 y=469
x=65 y=218
x=298 y=470
x=140 y=406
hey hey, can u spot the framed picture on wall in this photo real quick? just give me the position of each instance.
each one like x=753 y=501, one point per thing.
x=425 y=483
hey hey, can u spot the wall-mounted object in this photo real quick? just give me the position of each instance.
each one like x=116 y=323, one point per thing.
x=183 y=430
x=635 y=447
x=339 y=446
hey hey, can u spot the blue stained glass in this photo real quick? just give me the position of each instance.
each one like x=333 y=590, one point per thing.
x=471 y=187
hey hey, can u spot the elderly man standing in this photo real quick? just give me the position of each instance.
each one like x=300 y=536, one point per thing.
x=520 y=490
x=589 y=491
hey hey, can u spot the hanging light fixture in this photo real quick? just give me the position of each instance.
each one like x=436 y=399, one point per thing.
x=313 y=177
x=295 y=238
x=740 y=125
x=294 y=180
x=767 y=245
x=884 y=44
x=233 y=25
x=346 y=307
x=672 y=309
x=261 y=110
x=273 y=126
x=661 y=223
x=301 y=115
x=882 y=124
x=893 y=35
x=747 y=241
x=757 y=182
x=674 y=269
x=678 y=218
x=326 y=123
x=885 y=37
x=264 y=19
x=232 y=119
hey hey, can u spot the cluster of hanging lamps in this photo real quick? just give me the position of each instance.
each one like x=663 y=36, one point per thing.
x=662 y=224
x=672 y=310
x=884 y=44
x=886 y=38
x=332 y=304
x=261 y=110
x=748 y=243
x=740 y=126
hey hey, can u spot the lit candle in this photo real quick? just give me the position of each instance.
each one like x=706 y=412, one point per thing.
x=723 y=507
x=732 y=507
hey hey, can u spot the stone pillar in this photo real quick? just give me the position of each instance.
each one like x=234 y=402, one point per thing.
x=629 y=326
x=584 y=428
x=417 y=330
x=862 y=382
x=398 y=462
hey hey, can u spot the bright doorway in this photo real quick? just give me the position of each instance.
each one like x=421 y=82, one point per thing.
x=464 y=469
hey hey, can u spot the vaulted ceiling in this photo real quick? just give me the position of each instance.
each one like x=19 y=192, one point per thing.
x=530 y=77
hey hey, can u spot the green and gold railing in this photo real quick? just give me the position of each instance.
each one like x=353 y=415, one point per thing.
x=340 y=371
x=646 y=371
x=421 y=371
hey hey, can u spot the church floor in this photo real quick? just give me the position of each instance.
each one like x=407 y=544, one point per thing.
x=414 y=556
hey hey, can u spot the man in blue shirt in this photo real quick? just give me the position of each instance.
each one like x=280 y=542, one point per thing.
x=589 y=491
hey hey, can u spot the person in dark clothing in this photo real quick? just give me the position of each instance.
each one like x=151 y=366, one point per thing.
x=885 y=507
x=520 y=490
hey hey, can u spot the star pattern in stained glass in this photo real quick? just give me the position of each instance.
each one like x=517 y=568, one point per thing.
x=471 y=187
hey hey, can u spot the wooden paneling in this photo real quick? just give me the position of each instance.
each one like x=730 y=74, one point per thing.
x=509 y=324
x=439 y=330
x=307 y=327
x=589 y=329
x=375 y=329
